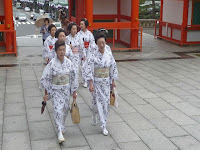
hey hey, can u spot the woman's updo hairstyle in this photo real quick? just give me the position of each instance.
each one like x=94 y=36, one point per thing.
x=50 y=27
x=58 y=44
x=100 y=35
x=69 y=27
x=59 y=31
x=85 y=21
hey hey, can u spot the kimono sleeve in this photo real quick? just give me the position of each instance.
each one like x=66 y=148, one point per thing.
x=46 y=49
x=67 y=40
x=73 y=79
x=88 y=69
x=91 y=38
x=113 y=70
x=46 y=79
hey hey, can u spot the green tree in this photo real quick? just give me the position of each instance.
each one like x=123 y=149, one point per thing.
x=149 y=11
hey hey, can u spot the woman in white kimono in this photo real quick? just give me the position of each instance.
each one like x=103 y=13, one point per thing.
x=49 y=49
x=75 y=43
x=87 y=37
x=100 y=70
x=59 y=80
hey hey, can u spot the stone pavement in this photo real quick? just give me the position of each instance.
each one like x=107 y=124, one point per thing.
x=159 y=103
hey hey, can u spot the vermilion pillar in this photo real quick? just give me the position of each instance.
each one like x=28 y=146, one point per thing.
x=89 y=11
x=118 y=18
x=8 y=11
x=135 y=23
x=185 y=21
x=161 y=18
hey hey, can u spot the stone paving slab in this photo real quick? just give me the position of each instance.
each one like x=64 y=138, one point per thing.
x=16 y=140
x=15 y=124
x=133 y=145
x=103 y=142
x=156 y=140
x=14 y=109
x=186 y=142
x=124 y=135
x=14 y=98
x=41 y=130
x=48 y=144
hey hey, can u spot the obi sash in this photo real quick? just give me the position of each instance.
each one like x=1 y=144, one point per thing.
x=60 y=80
x=101 y=72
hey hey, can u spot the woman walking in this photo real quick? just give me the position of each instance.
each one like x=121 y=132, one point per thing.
x=88 y=39
x=49 y=49
x=100 y=70
x=44 y=30
x=74 y=41
x=59 y=79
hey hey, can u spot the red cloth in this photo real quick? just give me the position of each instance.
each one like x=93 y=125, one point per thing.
x=50 y=47
x=86 y=44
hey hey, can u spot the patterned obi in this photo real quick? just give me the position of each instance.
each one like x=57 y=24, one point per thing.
x=60 y=80
x=101 y=72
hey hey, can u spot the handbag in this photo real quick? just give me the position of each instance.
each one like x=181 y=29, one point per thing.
x=114 y=98
x=75 y=113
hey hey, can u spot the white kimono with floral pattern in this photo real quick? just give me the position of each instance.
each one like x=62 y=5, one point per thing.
x=101 y=94
x=60 y=94
x=86 y=37
x=48 y=52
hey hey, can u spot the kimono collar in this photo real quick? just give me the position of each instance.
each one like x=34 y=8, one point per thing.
x=57 y=59
x=72 y=36
x=85 y=31
x=52 y=37
x=99 y=53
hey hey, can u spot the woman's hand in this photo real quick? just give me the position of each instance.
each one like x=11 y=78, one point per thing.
x=70 y=45
x=113 y=84
x=74 y=95
x=45 y=97
x=47 y=60
x=84 y=58
x=91 y=86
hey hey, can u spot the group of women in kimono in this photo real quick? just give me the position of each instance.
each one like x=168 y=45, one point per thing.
x=65 y=55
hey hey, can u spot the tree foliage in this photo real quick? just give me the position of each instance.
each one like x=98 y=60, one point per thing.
x=149 y=11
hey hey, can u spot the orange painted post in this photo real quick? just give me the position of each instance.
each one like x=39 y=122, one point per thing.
x=9 y=25
x=134 y=23
x=161 y=18
x=89 y=11
x=118 y=18
x=70 y=9
x=185 y=21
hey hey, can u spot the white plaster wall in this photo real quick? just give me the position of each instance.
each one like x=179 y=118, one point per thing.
x=104 y=7
x=190 y=12
x=1 y=7
x=176 y=34
x=166 y=32
x=193 y=36
x=125 y=35
x=126 y=7
x=173 y=11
